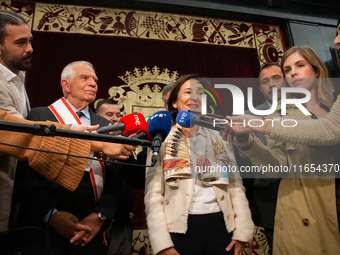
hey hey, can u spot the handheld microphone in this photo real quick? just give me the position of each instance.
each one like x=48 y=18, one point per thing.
x=188 y=120
x=159 y=128
x=128 y=124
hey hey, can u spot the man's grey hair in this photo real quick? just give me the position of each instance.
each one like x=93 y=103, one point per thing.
x=167 y=89
x=68 y=72
x=9 y=18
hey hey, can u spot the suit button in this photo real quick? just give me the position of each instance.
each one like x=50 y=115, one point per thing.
x=166 y=201
x=305 y=222
x=228 y=216
x=222 y=197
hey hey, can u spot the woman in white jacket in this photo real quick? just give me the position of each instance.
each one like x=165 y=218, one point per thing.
x=190 y=208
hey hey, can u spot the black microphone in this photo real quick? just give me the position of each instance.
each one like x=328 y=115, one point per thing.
x=159 y=128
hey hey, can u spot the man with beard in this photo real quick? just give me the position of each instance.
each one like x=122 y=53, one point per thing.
x=15 y=56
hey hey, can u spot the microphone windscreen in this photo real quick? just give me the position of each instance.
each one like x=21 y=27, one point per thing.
x=160 y=122
x=185 y=119
x=133 y=123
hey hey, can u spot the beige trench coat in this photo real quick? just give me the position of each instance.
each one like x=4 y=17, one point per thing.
x=306 y=217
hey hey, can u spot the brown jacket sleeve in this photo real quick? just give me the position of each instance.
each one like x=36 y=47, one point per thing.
x=64 y=170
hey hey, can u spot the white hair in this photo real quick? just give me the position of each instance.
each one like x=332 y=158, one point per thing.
x=68 y=72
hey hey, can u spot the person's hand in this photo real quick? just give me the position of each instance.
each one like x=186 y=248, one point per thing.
x=231 y=137
x=83 y=128
x=113 y=150
x=238 y=247
x=118 y=151
x=169 y=251
x=82 y=237
x=244 y=124
x=132 y=135
x=111 y=133
x=66 y=224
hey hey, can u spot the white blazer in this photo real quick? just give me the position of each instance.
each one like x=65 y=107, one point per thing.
x=167 y=206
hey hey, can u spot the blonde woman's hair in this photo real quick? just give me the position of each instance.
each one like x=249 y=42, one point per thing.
x=325 y=88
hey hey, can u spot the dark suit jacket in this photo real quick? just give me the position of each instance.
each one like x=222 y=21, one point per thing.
x=134 y=176
x=38 y=196
x=261 y=191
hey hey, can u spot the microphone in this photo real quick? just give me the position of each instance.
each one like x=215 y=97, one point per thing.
x=159 y=128
x=188 y=120
x=128 y=124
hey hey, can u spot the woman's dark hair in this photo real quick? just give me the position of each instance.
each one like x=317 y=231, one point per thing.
x=174 y=94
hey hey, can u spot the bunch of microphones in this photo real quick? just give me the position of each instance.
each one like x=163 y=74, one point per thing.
x=157 y=127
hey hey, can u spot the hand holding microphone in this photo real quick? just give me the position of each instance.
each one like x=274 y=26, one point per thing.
x=157 y=129
x=144 y=133
x=188 y=120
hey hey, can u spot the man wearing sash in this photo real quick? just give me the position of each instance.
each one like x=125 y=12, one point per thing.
x=95 y=200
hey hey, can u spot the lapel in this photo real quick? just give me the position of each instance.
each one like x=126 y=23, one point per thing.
x=96 y=119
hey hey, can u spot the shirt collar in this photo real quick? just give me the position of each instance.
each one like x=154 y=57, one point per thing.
x=269 y=104
x=9 y=75
x=85 y=111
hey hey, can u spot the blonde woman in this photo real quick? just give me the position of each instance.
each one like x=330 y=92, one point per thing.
x=306 y=214
x=313 y=132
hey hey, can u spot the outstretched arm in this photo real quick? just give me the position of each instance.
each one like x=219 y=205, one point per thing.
x=64 y=170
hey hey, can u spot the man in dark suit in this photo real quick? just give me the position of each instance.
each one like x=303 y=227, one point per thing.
x=95 y=200
x=262 y=191
x=121 y=229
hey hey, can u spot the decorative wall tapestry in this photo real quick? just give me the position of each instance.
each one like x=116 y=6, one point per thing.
x=159 y=26
x=136 y=53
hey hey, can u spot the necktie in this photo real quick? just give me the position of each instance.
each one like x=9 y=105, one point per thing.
x=80 y=114
x=82 y=117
